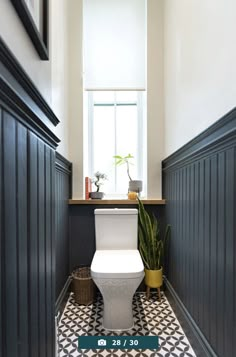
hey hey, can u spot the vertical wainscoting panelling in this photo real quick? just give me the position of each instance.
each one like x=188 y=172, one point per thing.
x=27 y=200
x=1 y=244
x=10 y=231
x=50 y=248
x=200 y=189
x=41 y=243
x=22 y=183
x=27 y=216
x=40 y=249
x=63 y=193
x=33 y=245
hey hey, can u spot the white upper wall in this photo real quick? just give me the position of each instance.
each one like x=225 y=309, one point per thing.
x=155 y=99
x=200 y=72
x=17 y=39
x=60 y=71
x=75 y=10
x=50 y=77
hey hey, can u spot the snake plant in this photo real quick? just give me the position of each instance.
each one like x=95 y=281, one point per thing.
x=151 y=243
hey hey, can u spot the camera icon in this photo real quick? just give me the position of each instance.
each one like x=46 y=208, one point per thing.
x=102 y=342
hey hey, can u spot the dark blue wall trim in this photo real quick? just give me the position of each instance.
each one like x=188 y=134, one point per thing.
x=9 y=61
x=63 y=297
x=63 y=193
x=20 y=97
x=13 y=103
x=199 y=185
x=209 y=141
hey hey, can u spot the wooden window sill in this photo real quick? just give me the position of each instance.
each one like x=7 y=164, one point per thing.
x=116 y=202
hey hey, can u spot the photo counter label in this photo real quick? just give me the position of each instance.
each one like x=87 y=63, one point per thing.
x=118 y=342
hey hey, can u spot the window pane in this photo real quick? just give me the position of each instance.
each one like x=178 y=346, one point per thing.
x=104 y=131
x=103 y=97
x=126 y=129
x=115 y=126
x=126 y=96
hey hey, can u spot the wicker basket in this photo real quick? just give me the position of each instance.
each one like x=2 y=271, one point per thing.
x=83 y=286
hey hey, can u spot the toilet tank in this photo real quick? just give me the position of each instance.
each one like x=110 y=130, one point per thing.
x=116 y=228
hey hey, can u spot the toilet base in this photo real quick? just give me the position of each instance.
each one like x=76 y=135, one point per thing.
x=117 y=298
x=118 y=313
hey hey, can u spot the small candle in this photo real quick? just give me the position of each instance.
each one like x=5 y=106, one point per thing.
x=132 y=195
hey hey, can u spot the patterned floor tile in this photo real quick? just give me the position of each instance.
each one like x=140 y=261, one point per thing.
x=151 y=317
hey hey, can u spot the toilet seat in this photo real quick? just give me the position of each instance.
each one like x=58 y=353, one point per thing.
x=116 y=264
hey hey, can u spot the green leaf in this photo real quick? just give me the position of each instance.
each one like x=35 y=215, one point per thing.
x=119 y=162
x=129 y=156
x=118 y=157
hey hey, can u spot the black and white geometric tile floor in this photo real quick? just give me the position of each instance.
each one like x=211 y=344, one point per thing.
x=151 y=317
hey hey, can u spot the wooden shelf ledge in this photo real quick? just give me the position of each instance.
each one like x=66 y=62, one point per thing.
x=116 y=202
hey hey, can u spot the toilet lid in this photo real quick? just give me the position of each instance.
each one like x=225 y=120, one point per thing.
x=117 y=264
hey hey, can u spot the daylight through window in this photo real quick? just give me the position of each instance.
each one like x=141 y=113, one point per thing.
x=115 y=127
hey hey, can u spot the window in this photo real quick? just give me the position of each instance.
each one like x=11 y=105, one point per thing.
x=114 y=81
x=115 y=127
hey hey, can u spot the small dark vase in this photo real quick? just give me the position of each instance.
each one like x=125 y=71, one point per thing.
x=96 y=195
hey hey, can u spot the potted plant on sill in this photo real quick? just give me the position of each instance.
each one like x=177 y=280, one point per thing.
x=98 y=180
x=134 y=185
x=151 y=248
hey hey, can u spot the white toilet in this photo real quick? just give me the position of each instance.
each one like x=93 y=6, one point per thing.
x=117 y=268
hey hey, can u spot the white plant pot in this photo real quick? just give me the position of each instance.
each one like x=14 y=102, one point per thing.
x=135 y=186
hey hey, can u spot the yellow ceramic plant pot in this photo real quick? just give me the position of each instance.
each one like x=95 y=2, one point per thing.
x=153 y=278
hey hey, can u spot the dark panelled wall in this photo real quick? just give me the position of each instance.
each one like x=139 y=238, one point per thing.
x=27 y=224
x=27 y=216
x=200 y=188
x=63 y=193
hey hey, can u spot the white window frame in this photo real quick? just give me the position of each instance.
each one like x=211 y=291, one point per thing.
x=140 y=161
